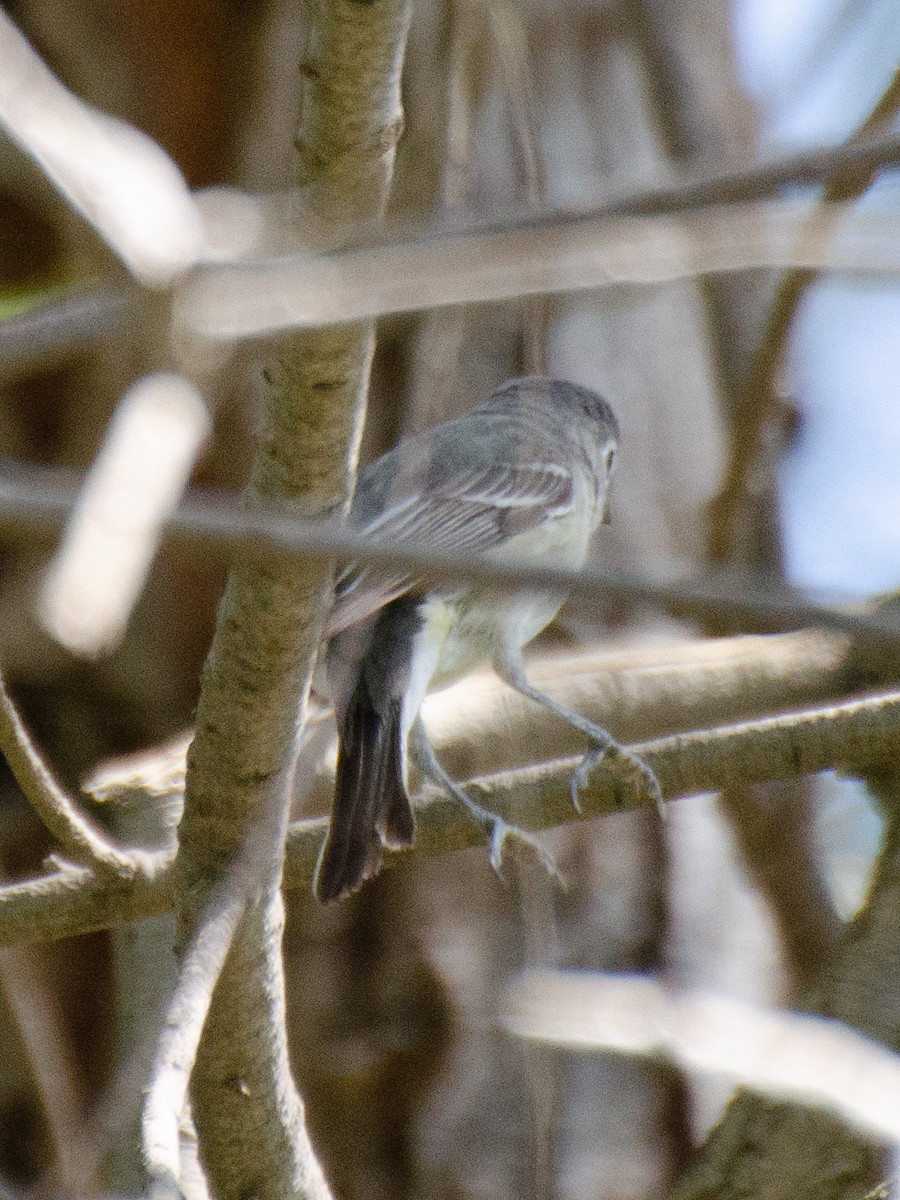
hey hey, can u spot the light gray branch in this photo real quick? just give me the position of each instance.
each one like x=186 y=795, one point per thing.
x=791 y=1056
x=624 y=240
x=842 y=736
x=303 y=290
x=61 y=322
x=176 y=1051
x=117 y=177
x=481 y=726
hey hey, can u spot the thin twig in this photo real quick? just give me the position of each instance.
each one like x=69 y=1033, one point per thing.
x=66 y=322
x=49 y=1046
x=755 y=408
x=696 y=192
x=440 y=337
x=480 y=725
x=78 y=835
x=34 y=500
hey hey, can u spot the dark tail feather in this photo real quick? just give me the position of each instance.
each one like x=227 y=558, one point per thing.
x=396 y=825
x=371 y=807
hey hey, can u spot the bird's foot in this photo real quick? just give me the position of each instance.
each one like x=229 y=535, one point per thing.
x=643 y=777
x=504 y=836
x=523 y=843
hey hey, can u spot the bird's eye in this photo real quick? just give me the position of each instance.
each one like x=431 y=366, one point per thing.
x=610 y=459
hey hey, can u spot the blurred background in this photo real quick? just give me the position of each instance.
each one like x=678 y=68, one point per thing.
x=412 y=1088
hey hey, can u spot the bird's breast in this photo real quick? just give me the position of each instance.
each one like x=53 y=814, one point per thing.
x=470 y=623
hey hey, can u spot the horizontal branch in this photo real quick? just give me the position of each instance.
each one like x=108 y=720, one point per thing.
x=35 y=500
x=788 y=1055
x=545 y=255
x=848 y=736
x=728 y=242
x=67 y=321
x=695 y=227
x=480 y=725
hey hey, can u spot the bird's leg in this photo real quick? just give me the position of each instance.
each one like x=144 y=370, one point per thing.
x=510 y=668
x=495 y=828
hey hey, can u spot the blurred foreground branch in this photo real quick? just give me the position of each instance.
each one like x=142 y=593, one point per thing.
x=35 y=501
x=523 y=257
x=117 y=177
x=766 y=1147
x=787 y=1055
x=631 y=239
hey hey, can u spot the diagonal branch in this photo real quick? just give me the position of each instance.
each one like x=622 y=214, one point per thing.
x=843 y=185
x=185 y=1017
x=481 y=726
x=851 y=736
x=79 y=837
x=199 y=971
x=117 y=177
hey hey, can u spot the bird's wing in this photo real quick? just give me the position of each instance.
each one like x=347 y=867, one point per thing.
x=468 y=513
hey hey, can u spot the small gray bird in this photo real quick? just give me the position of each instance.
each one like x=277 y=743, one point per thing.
x=523 y=479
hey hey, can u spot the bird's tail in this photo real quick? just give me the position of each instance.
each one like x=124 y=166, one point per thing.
x=371 y=806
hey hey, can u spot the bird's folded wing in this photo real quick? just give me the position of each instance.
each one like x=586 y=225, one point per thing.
x=469 y=513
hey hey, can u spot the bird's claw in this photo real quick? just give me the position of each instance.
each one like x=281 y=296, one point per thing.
x=582 y=773
x=500 y=832
x=645 y=781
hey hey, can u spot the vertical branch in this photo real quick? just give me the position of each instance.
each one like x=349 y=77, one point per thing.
x=441 y=333
x=699 y=112
x=772 y=824
x=512 y=47
x=248 y=1114
x=48 y=1045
